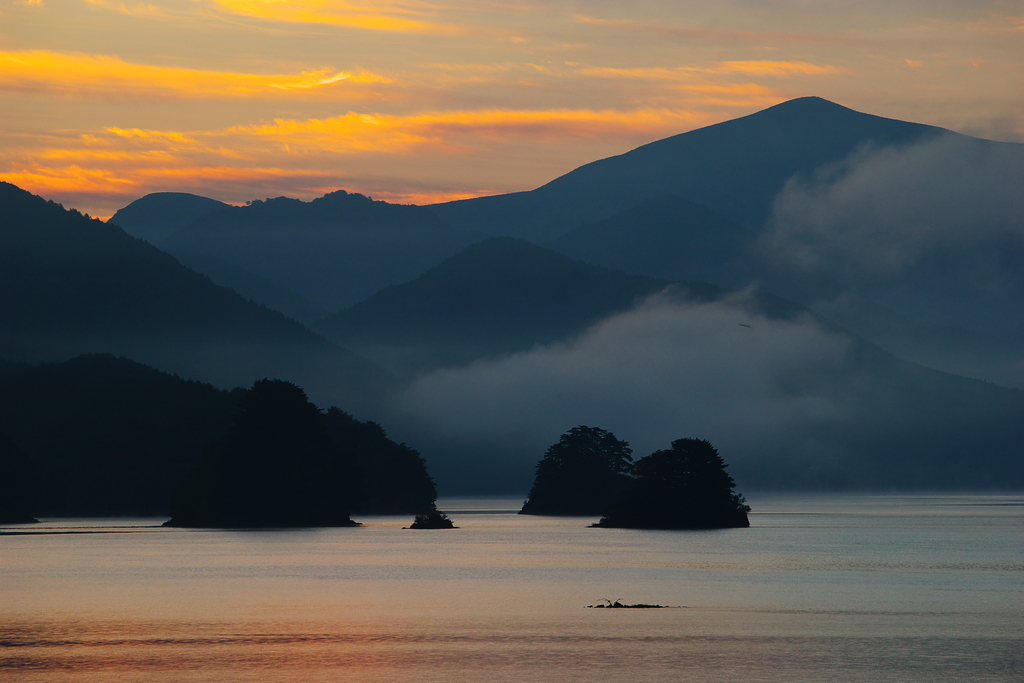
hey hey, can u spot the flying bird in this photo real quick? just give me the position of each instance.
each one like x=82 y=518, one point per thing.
x=744 y=325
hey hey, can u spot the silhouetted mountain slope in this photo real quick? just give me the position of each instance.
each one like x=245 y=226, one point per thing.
x=952 y=303
x=498 y=296
x=108 y=436
x=158 y=215
x=666 y=237
x=736 y=168
x=71 y=285
x=254 y=287
x=333 y=251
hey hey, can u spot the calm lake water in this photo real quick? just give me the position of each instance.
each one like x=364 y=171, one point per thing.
x=820 y=588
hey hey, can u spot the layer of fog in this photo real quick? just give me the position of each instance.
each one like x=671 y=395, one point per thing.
x=883 y=210
x=660 y=372
x=932 y=233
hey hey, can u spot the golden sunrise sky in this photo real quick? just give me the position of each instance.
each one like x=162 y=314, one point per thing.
x=104 y=101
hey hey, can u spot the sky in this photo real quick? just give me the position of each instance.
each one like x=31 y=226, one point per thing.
x=104 y=101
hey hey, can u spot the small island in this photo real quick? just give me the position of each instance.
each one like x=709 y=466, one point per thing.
x=684 y=487
x=434 y=519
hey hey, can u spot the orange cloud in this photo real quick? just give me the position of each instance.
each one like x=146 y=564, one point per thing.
x=137 y=10
x=381 y=16
x=115 y=164
x=778 y=68
x=92 y=75
x=449 y=130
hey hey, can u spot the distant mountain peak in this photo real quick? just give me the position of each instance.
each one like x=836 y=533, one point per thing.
x=735 y=167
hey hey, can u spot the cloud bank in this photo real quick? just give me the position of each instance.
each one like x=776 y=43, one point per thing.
x=883 y=210
x=662 y=371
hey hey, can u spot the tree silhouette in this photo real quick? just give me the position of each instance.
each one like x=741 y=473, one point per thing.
x=435 y=519
x=581 y=474
x=275 y=467
x=685 y=487
x=19 y=484
x=395 y=477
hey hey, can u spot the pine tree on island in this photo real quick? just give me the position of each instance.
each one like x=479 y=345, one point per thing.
x=275 y=467
x=684 y=487
x=581 y=474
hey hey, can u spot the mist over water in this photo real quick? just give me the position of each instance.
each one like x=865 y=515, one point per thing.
x=852 y=588
x=662 y=371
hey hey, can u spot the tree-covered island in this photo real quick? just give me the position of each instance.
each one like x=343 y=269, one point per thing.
x=276 y=466
x=581 y=474
x=684 y=487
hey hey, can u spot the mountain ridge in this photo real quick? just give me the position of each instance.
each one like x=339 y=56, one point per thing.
x=71 y=285
x=735 y=175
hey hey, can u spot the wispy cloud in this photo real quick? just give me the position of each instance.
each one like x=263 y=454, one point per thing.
x=766 y=68
x=139 y=9
x=117 y=160
x=378 y=16
x=660 y=372
x=107 y=76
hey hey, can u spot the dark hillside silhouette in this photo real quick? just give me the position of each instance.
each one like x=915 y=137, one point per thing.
x=670 y=238
x=945 y=291
x=254 y=287
x=684 y=487
x=581 y=474
x=498 y=296
x=736 y=168
x=276 y=466
x=19 y=484
x=665 y=237
x=395 y=477
x=159 y=215
x=71 y=285
x=108 y=436
x=332 y=251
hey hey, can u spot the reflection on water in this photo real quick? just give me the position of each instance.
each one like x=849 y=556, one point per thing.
x=845 y=588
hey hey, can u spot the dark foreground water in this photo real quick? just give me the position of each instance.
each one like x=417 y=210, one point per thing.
x=823 y=588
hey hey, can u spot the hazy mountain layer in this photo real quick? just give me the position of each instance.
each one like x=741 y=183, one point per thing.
x=254 y=287
x=517 y=344
x=736 y=168
x=911 y=235
x=670 y=238
x=498 y=296
x=159 y=215
x=332 y=251
x=71 y=285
